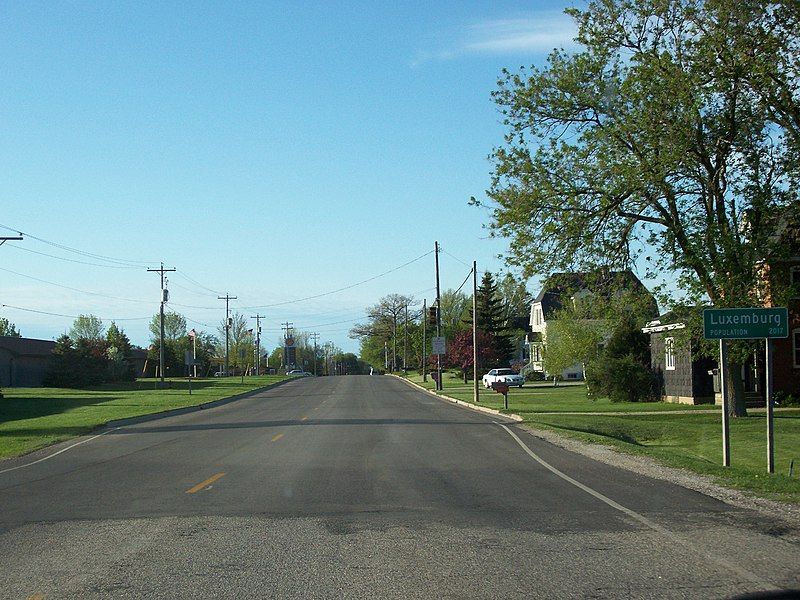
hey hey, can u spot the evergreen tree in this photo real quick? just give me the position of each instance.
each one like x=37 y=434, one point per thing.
x=491 y=318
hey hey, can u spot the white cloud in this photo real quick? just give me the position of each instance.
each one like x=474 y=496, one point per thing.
x=536 y=34
x=525 y=35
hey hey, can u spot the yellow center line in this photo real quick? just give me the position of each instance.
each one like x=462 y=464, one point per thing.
x=205 y=483
x=36 y=597
x=276 y=437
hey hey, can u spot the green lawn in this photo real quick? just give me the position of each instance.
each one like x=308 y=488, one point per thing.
x=543 y=397
x=31 y=418
x=691 y=441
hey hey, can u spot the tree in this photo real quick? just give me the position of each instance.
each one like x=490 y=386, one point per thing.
x=571 y=341
x=87 y=327
x=460 y=355
x=174 y=327
x=241 y=342
x=671 y=137
x=492 y=317
x=8 y=329
x=383 y=320
x=118 y=352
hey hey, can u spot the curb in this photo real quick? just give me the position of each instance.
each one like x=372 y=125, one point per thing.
x=187 y=409
x=469 y=405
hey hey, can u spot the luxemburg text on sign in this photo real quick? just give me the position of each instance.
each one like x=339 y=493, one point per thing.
x=745 y=323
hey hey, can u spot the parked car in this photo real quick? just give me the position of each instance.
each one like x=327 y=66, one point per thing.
x=507 y=376
x=299 y=373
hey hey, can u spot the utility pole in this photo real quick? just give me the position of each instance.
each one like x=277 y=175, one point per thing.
x=405 y=341
x=438 y=320
x=287 y=327
x=385 y=356
x=3 y=240
x=475 y=392
x=164 y=297
x=227 y=297
x=258 y=318
x=315 y=337
x=424 y=341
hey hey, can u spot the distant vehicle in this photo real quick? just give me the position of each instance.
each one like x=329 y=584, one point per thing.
x=298 y=373
x=507 y=376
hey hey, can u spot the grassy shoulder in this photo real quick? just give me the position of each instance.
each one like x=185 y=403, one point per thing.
x=33 y=418
x=687 y=439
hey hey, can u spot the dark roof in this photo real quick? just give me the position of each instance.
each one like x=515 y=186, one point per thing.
x=603 y=282
x=26 y=346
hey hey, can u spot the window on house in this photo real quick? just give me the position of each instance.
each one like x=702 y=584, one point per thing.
x=536 y=353
x=796 y=347
x=669 y=354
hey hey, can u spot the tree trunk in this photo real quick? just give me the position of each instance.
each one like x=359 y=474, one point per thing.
x=735 y=385
x=464 y=373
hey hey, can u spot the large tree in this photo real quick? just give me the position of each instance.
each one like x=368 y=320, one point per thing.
x=384 y=322
x=671 y=136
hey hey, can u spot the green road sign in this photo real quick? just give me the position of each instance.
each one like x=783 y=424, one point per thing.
x=745 y=323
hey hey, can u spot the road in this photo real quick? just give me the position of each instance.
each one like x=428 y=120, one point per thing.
x=363 y=487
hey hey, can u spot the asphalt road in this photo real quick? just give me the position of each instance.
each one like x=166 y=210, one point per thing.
x=363 y=487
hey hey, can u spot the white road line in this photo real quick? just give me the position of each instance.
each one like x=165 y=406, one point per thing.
x=745 y=574
x=94 y=437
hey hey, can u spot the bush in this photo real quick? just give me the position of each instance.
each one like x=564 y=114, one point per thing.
x=622 y=379
x=784 y=399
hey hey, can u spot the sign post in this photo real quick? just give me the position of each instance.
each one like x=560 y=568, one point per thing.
x=501 y=388
x=746 y=324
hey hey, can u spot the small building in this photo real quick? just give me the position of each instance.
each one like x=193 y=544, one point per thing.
x=685 y=376
x=24 y=361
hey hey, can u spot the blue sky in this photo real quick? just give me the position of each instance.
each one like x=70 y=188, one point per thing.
x=273 y=150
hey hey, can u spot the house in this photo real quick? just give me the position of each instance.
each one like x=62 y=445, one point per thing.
x=560 y=289
x=24 y=361
x=686 y=377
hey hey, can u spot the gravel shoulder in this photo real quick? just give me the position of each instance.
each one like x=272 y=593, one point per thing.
x=788 y=513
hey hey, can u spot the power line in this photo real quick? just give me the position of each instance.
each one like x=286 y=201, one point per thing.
x=347 y=287
x=44 y=312
x=72 y=260
x=80 y=252
x=72 y=289
x=463 y=282
x=198 y=284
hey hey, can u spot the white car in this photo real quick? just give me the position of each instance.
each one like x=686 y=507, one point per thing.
x=507 y=376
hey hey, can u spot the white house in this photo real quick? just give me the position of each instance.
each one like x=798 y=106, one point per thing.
x=562 y=288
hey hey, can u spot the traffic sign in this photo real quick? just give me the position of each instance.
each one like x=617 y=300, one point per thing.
x=438 y=345
x=745 y=323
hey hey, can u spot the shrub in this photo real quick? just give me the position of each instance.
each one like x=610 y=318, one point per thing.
x=622 y=379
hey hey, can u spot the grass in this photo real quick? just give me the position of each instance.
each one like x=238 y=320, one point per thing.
x=32 y=418
x=689 y=441
x=543 y=397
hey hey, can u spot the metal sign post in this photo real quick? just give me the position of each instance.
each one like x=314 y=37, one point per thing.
x=723 y=385
x=746 y=324
x=770 y=422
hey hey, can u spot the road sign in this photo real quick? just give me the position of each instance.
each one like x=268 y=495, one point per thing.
x=745 y=323
x=438 y=345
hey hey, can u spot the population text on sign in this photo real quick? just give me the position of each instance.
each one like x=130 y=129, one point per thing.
x=745 y=323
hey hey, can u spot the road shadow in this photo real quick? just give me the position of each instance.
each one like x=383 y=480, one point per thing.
x=290 y=423
x=18 y=409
